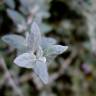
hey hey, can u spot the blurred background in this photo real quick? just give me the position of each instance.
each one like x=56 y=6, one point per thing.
x=71 y=23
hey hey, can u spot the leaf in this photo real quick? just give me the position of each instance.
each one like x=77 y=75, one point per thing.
x=52 y=51
x=44 y=13
x=10 y=3
x=55 y=49
x=26 y=3
x=34 y=38
x=15 y=41
x=45 y=28
x=40 y=68
x=16 y=17
x=23 y=10
x=47 y=41
x=22 y=50
x=25 y=60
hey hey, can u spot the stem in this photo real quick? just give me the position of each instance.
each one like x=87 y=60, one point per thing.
x=8 y=78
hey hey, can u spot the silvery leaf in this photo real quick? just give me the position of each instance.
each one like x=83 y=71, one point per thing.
x=55 y=49
x=26 y=3
x=23 y=10
x=15 y=41
x=22 y=50
x=45 y=28
x=16 y=17
x=47 y=41
x=10 y=3
x=43 y=14
x=52 y=51
x=40 y=68
x=25 y=60
x=34 y=38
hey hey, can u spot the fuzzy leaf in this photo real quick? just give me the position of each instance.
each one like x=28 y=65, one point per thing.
x=22 y=50
x=52 y=51
x=10 y=3
x=16 y=17
x=55 y=50
x=40 y=68
x=47 y=41
x=34 y=38
x=15 y=41
x=25 y=60
x=24 y=10
x=45 y=28
x=26 y=3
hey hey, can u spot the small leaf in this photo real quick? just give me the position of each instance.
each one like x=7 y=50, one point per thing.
x=26 y=3
x=24 y=10
x=44 y=13
x=25 y=60
x=34 y=38
x=40 y=68
x=47 y=41
x=52 y=51
x=10 y=3
x=22 y=50
x=16 y=17
x=55 y=49
x=45 y=28
x=15 y=41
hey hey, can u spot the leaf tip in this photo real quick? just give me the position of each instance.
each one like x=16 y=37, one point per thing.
x=46 y=80
x=65 y=48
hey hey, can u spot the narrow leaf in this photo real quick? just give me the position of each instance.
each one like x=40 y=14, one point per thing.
x=34 y=38
x=15 y=41
x=52 y=51
x=16 y=17
x=40 y=68
x=47 y=41
x=26 y=3
x=10 y=3
x=22 y=50
x=45 y=28
x=55 y=50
